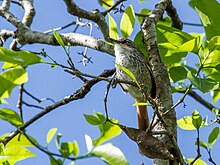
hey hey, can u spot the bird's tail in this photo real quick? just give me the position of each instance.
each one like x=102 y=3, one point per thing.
x=143 y=119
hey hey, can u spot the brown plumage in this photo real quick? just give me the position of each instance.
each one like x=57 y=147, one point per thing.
x=130 y=57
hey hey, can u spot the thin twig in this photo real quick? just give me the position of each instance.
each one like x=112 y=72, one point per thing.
x=20 y=100
x=198 y=98
x=112 y=7
x=198 y=149
x=42 y=148
x=79 y=94
x=35 y=98
x=31 y=105
x=106 y=97
x=62 y=27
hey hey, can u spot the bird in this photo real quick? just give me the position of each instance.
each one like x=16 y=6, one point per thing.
x=129 y=56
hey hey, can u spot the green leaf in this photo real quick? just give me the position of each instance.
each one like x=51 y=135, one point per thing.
x=204 y=85
x=140 y=104
x=130 y=74
x=106 y=3
x=11 y=116
x=210 y=65
x=89 y=143
x=213 y=136
x=127 y=22
x=186 y=123
x=192 y=45
x=18 y=58
x=143 y=12
x=217 y=67
x=207 y=12
x=51 y=134
x=58 y=38
x=110 y=154
x=93 y=120
x=10 y=79
x=66 y=149
x=202 y=144
x=19 y=140
x=213 y=44
x=107 y=130
x=138 y=40
x=215 y=96
x=196 y=119
x=75 y=149
x=59 y=135
x=53 y=161
x=216 y=111
x=197 y=162
x=177 y=73
x=15 y=154
x=169 y=40
x=113 y=29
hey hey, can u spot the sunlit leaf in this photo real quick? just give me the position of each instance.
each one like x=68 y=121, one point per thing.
x=110 y=154
x=129 y=73
x=186 y=123
x=127 y=22
x=10 y=79
x=19 y=140
x=113 y=29
x=18 y=58
x=75 y=149
x=207 y=12
x=106 y=3
x=197 y=162
x=15 y=154
x=51 y=134
x=216 y=111
x=107 y=130
x=89 y=143
x=213 y=136
x=11 y=116
x=140 y=104
x=59 y=39
x=215 y=96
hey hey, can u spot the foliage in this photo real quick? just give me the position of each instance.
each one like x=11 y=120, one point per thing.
x=176 y=47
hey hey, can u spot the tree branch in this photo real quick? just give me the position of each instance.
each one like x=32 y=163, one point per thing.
x=172 y=13
x=113 y=7
x=163 y=94
x=79 y=94
x=95 y=16
x=199 y=99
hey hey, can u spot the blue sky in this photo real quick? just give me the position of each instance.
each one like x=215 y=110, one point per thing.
x=56 y=84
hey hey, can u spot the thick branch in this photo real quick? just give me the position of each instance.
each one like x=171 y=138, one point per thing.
x=79 y=94
x=95 y=16
x=25 y=35
x=163 y=94
x=172 y=13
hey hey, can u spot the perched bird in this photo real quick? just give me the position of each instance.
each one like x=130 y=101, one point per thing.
x=130 y=57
